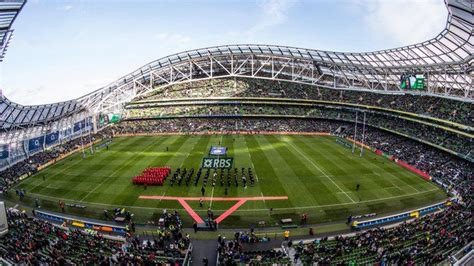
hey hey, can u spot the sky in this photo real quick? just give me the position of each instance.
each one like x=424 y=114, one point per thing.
x=63 y=49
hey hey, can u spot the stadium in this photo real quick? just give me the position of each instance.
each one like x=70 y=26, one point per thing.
x=285 y=155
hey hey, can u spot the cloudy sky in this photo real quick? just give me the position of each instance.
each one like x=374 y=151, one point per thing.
x=64 y=49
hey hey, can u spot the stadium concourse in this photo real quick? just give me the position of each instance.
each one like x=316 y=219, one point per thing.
x=283 y=155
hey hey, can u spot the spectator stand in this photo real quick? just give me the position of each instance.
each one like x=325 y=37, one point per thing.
x=465 y=256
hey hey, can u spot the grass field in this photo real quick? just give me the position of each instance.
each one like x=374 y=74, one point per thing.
x=318 y=175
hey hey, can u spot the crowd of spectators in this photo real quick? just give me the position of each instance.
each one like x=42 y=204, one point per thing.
x=444 y=108
x=427 y=240
x=190 y=125
x=439 y=164
x=29 y=166
x=31 y=241
x=232 y=251
x=431 y=134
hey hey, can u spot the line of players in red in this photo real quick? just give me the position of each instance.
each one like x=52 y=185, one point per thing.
x=152 y=176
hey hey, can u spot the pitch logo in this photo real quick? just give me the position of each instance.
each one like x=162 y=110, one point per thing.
x=218 y=151
x=217 y=162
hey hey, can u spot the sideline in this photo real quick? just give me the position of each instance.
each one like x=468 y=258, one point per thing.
x=244 y=210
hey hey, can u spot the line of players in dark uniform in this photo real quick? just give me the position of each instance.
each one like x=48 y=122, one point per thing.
x=213 y=177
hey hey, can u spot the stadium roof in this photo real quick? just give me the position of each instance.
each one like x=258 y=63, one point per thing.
x=9 y=10
x=445 y=61
x=15 y=116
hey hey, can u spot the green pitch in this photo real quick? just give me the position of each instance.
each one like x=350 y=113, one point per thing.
x=318 y=175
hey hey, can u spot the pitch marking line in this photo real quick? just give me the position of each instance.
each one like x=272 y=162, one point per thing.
x=320 y=170
x=162 y=196
x=232 y=199
x=215 y=199
x=412 y=187
x=190 y=211
x=343 y=204
x=189 y=153
x=54 y=175
x=227 y=213
x=113 y=173
x=251 y=160
x=212 y=196
x=230 y=211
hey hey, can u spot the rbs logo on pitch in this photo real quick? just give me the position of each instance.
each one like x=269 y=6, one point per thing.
x=217 y=162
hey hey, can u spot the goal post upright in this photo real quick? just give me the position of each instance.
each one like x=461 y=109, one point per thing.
x=363 y=136
x=355 y=133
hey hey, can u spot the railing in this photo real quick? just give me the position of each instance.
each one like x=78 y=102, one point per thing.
x=188 y=257
x=463 y=256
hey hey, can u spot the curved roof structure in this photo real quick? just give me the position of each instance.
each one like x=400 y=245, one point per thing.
x=8 y=12
x=15 y=116
x=445 y=61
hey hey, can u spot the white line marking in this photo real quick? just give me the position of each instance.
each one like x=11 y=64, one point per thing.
x=412 y=187
x=212 y=195
x=37 y=175
x=251 y=160
x=261 y=193
x=320 y=170
x=391 y=182
x=103 y=181
x=253 y=166
x=246 y=210
x=118 y=169
x=189 y=153
x=161 y=197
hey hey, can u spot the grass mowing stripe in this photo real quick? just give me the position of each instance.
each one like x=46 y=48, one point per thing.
x=251 y=160
x=281 y=172
x=271 y=183
x=127 y=194
x=53 y=168
x=251 y=210
x=285 y=171
x=389 y=168
x=243 y=154
x=116 y=171
x=317 y=167
x=78 y=170
x=348 y=166
x=401 y=177
x=303 y=174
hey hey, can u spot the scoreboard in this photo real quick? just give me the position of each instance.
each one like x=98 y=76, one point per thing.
x=412 y=82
